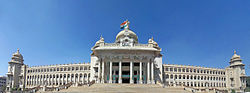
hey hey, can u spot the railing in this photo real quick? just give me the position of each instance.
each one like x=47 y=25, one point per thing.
x=118 y=45
x=111 y=44
x=34 y=89
x=91 y=83
x=141 y=45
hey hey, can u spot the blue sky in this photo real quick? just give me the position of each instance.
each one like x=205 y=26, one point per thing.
x=190 y=32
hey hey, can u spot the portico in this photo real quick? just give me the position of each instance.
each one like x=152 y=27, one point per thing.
x=126 y=71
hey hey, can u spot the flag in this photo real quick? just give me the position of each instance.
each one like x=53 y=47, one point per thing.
x=124 y=24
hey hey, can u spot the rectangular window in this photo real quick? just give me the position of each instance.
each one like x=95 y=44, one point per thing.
x=166 y=69
x=175 y=69
x=179 y=69
x=171 y=69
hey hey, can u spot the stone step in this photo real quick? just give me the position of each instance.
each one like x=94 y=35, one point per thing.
x=125 y=85
x=124 y=88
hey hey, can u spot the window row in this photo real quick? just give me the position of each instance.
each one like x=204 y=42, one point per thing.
x=59 y=69
x=59 y=76
x=192 y=70
x=196 y=84
x=167 y=76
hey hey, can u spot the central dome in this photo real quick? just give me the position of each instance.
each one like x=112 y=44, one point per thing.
x=127 y=33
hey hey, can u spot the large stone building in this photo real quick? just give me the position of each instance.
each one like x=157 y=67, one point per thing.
x=127 y=61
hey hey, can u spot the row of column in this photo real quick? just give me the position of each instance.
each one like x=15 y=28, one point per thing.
x=194 y=70
x=150 y=76
x=196 y=84
x=58 y=81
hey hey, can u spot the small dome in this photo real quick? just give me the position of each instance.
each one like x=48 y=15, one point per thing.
x=17 y=56
x=17 y=53
x=235 y=56
x=127 y=32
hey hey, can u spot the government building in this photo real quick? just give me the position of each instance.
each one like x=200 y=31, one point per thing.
x=126 y=61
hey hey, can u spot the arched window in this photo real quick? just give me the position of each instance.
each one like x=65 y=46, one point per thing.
x=80 y=75
x=171 y=76
x=175 y=76
x=85 y=75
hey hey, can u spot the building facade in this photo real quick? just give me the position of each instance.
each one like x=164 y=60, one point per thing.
x=127 y=61
x=2 y=83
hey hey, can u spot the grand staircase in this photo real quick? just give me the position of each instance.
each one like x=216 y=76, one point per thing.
x=124 y=88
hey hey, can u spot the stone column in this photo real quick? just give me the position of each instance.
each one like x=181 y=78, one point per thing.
x=58 y=79
x=140 y=73
x=75 y=78
x=78 y=77
x=148 y=73
x=62 y=79
x=120 y=72
x=110 y=72
x=66 y=78
x=70 y=78
x=55 y=79
x=51 y=79
x=41 y=80
x=87 y=78
x=131 y=73
x=152 y=73
x=99 y=73
x=102 y=72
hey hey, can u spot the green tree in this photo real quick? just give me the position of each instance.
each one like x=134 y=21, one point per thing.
x=3 y=88
x=233 y=91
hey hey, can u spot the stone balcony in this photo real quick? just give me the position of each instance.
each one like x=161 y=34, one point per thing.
x=118 y=45
x=9 y=73
x=135 y=46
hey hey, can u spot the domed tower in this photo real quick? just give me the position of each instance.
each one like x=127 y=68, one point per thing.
x=14 y=71
x=141 y=63
x=236 y=77
x=236 y=61
x=17 y=57
x=126 y=37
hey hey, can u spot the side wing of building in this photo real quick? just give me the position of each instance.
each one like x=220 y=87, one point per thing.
x=56 y=75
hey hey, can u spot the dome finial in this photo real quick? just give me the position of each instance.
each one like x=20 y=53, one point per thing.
x=101 y=38
x=18 y=50
x=234 y=51
x=152 y=38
